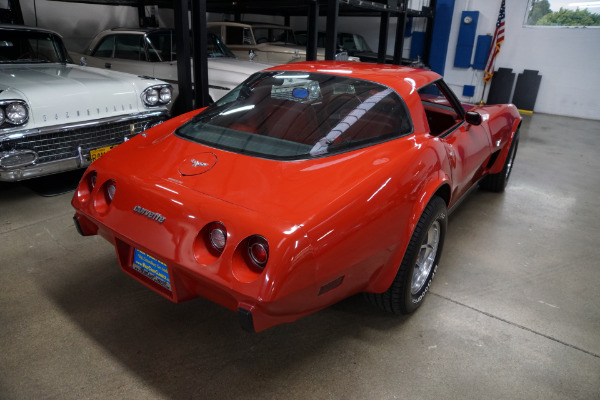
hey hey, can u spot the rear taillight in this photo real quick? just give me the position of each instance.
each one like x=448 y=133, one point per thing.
x=217 y=237
x=111 y=189
x=91 y=180
x=104 y=196
x=258 y=251
x=84 y=190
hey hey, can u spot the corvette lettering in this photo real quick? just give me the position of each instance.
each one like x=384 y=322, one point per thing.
x=147 y=213
x=196 y=163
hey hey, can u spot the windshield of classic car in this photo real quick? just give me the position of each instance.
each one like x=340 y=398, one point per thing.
x=296 y=115
x=29 y=47
x=216 y=48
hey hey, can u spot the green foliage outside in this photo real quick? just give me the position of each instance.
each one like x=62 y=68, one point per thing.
x=542 y=15
x=538 y=10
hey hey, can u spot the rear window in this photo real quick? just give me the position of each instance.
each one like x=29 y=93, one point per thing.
x=298 y=115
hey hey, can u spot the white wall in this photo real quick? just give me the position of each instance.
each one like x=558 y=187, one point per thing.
x=567 y=58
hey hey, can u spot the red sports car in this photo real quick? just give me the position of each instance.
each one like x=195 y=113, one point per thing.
x=306 y=184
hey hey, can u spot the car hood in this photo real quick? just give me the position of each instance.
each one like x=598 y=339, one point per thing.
x=58 y=94
x=287 y=190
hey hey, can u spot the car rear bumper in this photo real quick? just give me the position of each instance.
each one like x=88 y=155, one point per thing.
x=256 y=312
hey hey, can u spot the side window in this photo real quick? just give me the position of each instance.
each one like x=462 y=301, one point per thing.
x=261 y=35
x=105 y=48
x=439 y=109
x=346 y=41
x=160 y=46
x=238 y=35
x=130 y=47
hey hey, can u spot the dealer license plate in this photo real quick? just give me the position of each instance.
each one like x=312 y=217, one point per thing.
x=152 y=268
x=97 y=153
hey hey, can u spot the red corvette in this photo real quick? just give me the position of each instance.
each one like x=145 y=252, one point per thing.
x=306 y=184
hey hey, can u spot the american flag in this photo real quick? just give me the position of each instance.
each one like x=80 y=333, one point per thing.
x=496 y=42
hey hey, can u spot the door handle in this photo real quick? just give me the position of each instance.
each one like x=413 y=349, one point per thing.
x=107 y=65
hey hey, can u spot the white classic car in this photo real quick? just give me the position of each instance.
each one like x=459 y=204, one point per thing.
x=267 y=43
x=56 y=116
x=152 y=52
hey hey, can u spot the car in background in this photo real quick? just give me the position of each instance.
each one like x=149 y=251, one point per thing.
x=352 y=43
x=152 y=52
x=266 y=43
x=56 y=116
x=308 y=183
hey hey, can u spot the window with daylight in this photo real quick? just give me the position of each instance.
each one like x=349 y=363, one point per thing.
x=561 y=13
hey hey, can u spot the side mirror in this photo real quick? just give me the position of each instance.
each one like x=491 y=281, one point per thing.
x=473 y=118
x=83 y=61
x=251 y=54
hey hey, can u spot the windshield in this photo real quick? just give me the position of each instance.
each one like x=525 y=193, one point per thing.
x=216 y=48
x=352 y=42
x=21 y=46
x=298 y=115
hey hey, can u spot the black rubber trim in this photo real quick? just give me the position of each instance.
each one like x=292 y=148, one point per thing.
x=77 y=226
x=246 y=319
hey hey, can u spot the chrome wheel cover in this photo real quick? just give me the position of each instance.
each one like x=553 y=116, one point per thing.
x=426 y=258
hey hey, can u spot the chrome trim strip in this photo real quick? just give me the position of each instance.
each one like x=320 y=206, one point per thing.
x=37 y=170
x=218 y=87
x=66 y=127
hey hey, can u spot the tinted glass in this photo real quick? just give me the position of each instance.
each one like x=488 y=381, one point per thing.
x=295 y=115
x=30 y=47
x=161 y=46
x=216 y=48
x=238 y=35
x=269 y=34
x=105 y=48
x=130 y=47
x=439 y=109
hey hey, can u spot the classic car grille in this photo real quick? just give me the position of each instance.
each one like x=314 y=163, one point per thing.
x=64 y=144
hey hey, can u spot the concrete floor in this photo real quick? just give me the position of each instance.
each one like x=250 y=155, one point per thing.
x=513 y=312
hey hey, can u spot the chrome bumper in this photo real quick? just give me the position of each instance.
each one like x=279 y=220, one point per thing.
x=62 y=148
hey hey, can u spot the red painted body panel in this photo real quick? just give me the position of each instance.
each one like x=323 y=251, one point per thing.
x=336 y=225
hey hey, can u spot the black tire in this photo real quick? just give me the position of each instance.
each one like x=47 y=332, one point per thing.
x=497 y=182
x=419 y=265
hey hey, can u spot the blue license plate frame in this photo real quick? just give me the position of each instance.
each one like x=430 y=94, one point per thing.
x=151 y=268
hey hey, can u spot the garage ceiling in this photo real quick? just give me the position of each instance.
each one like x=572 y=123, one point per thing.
x=269 y=7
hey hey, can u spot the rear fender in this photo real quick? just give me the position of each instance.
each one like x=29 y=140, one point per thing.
x=504 y=124
x=382 y=281
x=501 y=159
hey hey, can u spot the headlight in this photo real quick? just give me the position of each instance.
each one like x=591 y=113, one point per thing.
x=13 y=112
x=165 y=95
x=151 y=97
x=158 y=95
